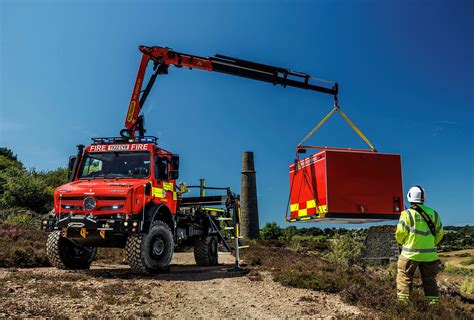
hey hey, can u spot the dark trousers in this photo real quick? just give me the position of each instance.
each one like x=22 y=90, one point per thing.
x=405 y=273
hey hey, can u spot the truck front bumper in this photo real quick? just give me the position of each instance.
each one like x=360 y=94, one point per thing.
x=89 y=229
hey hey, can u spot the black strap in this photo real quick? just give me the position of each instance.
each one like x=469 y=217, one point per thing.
x=426 y=218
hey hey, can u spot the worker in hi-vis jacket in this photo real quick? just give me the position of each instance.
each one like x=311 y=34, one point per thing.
x=418 y=232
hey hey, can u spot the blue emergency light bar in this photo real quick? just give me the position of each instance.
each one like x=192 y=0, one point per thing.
x=121 y=140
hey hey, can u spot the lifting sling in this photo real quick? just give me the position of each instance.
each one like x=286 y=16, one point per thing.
x=353 y=126
x=300 y=145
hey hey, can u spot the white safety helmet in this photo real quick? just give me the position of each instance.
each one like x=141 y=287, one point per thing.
x=416 y=194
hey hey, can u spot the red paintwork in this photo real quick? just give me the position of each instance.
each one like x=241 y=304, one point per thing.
x=351 y=184
x=130 y=189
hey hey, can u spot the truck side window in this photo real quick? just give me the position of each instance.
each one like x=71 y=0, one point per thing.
x=161 y=168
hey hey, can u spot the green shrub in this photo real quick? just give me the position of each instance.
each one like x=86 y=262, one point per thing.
x=294 y=245
x=312 y=243
x=288 y=233
x=449 y=268
x=316 y=239
x=20 y=216
x=9 y=160
x=271 y=231
x=54 y=178
x=467 y=287
x=467 y=262
x=25 y=189
x=345 y=249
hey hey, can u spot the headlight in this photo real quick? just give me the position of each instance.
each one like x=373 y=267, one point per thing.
x=125 y=223
x=135 y=223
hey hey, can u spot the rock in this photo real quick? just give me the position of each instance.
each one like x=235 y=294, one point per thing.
x=380 y=246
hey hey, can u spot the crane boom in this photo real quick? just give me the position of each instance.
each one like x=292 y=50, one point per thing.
x=162 y=58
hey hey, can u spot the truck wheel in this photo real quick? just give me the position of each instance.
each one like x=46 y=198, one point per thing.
x=63 y=254
x=206 y=251
x=151 y=252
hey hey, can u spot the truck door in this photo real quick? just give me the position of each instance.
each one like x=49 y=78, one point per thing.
x=164 y=190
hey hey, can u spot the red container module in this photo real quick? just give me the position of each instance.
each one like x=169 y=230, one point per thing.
x=346 y=186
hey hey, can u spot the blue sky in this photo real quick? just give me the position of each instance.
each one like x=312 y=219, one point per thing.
x=406 y=75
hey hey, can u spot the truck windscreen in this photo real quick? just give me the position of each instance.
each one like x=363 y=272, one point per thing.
x=115 y=165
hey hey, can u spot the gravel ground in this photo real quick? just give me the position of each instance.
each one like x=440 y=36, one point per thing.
x=188 y=291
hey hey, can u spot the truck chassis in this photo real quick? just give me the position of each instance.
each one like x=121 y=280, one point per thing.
x=149 y=239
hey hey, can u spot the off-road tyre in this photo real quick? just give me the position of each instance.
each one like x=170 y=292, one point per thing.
x=206 y=251
x=63 y=254
x=144 y=255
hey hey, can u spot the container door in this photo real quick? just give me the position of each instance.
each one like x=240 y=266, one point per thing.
x=308 y=188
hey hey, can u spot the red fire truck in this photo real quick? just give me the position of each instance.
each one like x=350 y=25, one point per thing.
x=123 y=193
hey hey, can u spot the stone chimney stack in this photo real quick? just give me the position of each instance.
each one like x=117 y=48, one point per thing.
x=248 y=199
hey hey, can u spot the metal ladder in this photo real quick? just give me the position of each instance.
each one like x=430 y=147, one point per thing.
x=230 y=219
x=233 y=243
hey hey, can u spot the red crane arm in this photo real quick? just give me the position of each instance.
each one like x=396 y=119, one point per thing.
x=164 y=57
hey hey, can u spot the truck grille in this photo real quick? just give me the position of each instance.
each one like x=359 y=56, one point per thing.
x=116 y=207
x=72 y=198
x=104 y=203
x=110 y=198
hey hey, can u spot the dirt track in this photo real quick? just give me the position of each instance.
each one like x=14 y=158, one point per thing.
x=187 y=291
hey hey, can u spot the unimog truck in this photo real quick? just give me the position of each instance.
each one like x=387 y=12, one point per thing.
x=122 y=193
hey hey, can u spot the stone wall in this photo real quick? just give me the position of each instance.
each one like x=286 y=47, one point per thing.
x=380 y=246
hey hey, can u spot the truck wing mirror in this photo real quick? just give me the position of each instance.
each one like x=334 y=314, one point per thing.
x=174 y=167
x=70 y=166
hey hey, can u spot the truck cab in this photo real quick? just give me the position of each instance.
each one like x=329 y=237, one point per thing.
x=122 y=192
x=119 y=178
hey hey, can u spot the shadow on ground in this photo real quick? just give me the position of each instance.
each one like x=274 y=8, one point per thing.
x=177 y=273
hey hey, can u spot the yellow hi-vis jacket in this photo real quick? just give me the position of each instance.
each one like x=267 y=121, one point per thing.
x=415 y=236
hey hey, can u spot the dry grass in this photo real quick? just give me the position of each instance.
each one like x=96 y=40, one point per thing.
x=22 y=246
x=367 y=287
x=73 y=286
x=33 y=310
x=463 y=259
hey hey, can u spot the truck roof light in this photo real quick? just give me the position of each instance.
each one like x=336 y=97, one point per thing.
x=112 y=140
